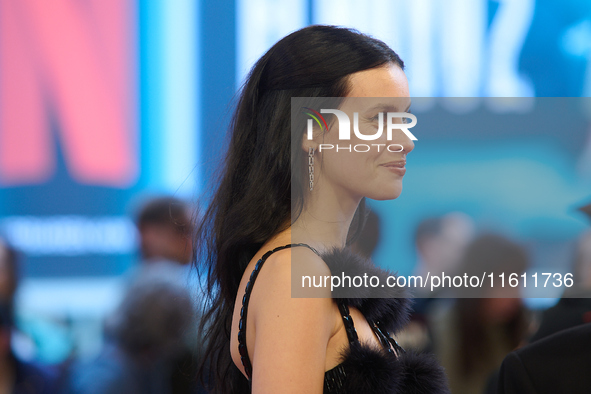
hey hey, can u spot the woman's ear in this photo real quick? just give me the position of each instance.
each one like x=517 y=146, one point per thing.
x=312 y=142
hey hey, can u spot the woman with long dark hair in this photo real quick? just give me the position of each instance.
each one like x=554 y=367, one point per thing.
x=475 y=333
x=281 y=204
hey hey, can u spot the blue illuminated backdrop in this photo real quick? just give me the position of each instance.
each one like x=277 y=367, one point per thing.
x=188 y=58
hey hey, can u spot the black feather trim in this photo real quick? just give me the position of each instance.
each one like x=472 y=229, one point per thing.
x=370 y=370
x=421 y=374
x=375 y=371
x=388 y=305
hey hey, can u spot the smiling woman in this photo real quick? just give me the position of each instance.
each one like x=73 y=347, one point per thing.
x=358 y=159
x=369 y=133
x=285 y=207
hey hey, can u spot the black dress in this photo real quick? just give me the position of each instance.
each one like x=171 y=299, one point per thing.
x=364 y=369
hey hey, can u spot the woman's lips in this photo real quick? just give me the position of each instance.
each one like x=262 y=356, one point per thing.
x=397 y=167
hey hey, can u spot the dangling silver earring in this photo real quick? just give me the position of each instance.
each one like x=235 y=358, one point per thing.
x=311 y=166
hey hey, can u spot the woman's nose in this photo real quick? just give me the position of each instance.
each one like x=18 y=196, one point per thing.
x=407 y=144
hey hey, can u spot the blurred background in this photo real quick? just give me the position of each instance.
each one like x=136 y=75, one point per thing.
x=108 y=104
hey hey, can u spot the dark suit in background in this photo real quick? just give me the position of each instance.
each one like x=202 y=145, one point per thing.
x=560 y=363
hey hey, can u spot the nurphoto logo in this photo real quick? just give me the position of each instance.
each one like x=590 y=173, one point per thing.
x=344 y=124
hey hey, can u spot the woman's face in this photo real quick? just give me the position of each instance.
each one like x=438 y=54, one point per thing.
x=376 y=173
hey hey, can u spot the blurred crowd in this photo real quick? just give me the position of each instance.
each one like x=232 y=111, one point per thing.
x=472 y=331
x=150 y=341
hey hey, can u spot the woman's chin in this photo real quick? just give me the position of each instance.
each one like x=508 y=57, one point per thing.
x=387 y=194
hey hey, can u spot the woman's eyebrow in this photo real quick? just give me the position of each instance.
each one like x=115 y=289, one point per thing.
x=387 y=108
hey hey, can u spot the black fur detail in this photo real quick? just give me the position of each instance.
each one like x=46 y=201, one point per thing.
x=370 y=370
x=388 y=305
x=422 y=374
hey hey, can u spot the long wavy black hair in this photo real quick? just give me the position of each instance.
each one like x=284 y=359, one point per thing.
x=256 y=191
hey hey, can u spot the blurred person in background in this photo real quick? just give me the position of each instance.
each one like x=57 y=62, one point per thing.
x=472 y=337
x=16 y=376
x=558 y=358
x=559 y=363
x=165 y=229
x=440 y=242
x=145 y=337
x=165 y=226
x=574 y=308
x=151 y=340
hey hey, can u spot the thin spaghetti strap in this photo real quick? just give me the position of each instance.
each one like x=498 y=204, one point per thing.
x=244 y=310
x=386 y=340
x=307 y=246
x=348 y=322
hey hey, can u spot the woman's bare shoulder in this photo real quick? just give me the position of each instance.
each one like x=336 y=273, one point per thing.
x=290 y=331
x=284 y=269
